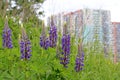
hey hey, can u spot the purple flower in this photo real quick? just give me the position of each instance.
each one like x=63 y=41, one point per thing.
x=65 y=47
x=44 y=41
x=47 y=43
x=79 y=60
x=25 y=46
x=65 y=50
x=41 y=41
x=7 y=41
x=53 y=34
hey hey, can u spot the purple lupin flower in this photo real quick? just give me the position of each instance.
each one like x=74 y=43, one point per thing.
x=44 y=41
x=65 y=47
x=25 y=46
x=7 y=41
x=53 y=34
x=79 y=59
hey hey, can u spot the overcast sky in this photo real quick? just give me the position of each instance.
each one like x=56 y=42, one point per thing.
x=55 y=6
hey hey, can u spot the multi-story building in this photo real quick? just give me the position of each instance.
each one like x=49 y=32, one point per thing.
x=97 y=26
x=90 y=24
x=106 y=27
x=75 y=23
x=116 y=40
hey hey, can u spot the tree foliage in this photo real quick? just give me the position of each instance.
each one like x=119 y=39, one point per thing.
x=23 y=10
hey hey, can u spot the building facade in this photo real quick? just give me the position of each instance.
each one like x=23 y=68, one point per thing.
x=116 y=40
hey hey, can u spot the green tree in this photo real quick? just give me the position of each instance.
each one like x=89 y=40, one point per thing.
x=24 y=10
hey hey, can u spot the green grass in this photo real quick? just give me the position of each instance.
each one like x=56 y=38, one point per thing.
x=44 y=65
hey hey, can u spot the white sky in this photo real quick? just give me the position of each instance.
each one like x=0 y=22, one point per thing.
x=55 y=6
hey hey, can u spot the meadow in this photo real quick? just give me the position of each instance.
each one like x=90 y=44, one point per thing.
x=45 y=65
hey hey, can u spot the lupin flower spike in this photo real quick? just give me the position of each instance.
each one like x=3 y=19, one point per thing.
x=44 y=41
x=25 y=45
x=7 y=41
x=65 y=47
x=79 y=59
x=53 y=34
